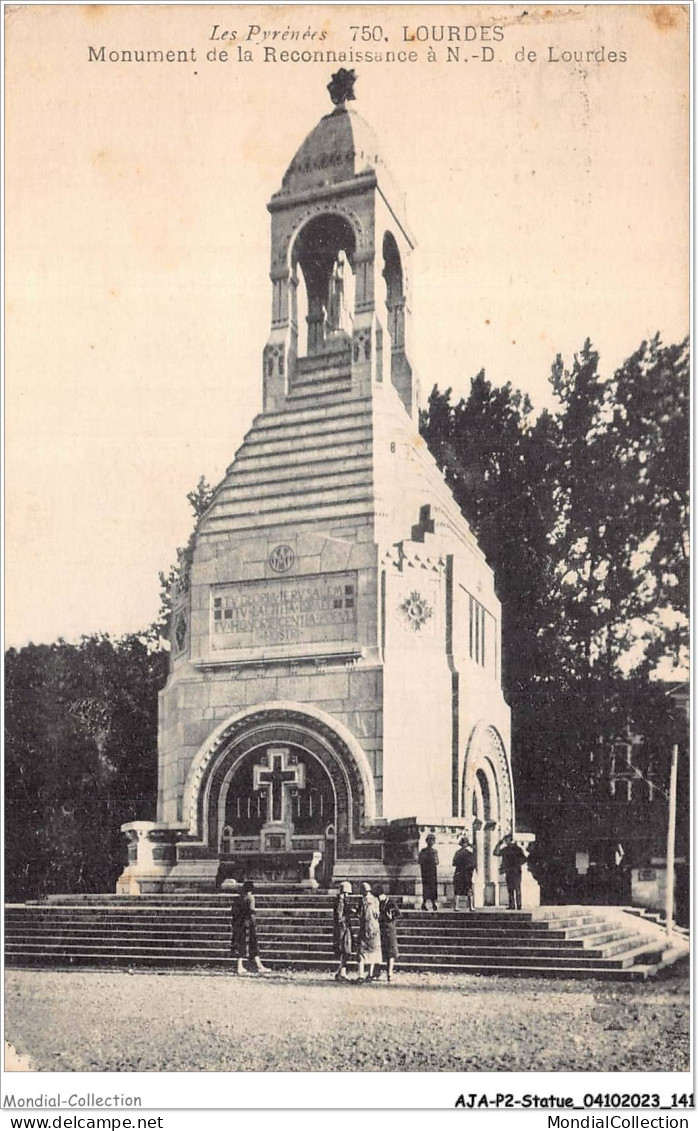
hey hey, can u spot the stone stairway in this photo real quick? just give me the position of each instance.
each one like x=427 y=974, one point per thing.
x=188 y=932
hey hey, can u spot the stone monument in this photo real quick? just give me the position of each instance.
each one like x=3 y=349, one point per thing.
x=334 y=691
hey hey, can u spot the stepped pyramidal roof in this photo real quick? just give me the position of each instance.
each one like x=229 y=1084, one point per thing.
x=324 y=464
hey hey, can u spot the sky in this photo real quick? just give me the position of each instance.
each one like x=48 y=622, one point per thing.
x=549 y=200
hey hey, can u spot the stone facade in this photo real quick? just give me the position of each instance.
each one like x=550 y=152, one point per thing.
x=334 y=691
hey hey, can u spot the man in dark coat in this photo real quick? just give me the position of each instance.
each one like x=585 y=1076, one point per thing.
x=512 y=861
x=464 y=865
x=428 y=864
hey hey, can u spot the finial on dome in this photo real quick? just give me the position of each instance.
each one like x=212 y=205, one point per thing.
x=341 y=87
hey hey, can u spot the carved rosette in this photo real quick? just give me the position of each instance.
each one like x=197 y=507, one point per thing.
x=416 y=610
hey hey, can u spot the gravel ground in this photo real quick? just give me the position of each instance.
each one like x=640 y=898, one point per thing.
x=113 y=1021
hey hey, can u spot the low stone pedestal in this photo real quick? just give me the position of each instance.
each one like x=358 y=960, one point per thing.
x=648 y=887
x=151 y=858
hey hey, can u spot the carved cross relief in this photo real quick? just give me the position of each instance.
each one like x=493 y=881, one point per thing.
x=278 y=773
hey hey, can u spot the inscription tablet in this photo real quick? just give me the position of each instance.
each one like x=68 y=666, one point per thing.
x=311 y=610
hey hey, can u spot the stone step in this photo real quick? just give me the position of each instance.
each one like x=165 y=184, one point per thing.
x=133 y=954
x=264 y=894
x=272 y=904
x=123 y=915
x=580 y=931
x=68 y=943
x=330 y=399
x=320 y=470
x=330 y=435
x=494 y=958
x=249 y=501
x=182 y=914
x=348 y=407
x=640 y=972
x=301 y=913
x=360 y=508
x=299 y=919
x=301 y=922
x=652 y=951
x=323 y=933
x=301 y=927
x=321 y=467
x=299 y=425
x=291 y=931
x=507 y=921
x=410 y=937
x=319 y=384
x=281 y=454
x=290 y=458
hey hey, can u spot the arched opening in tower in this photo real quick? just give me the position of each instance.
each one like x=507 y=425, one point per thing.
x=325 y=252
x=395 y=292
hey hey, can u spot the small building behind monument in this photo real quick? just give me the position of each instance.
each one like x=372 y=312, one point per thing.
x=334 y=693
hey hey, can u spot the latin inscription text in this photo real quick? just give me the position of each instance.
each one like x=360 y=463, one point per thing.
x=302 y=610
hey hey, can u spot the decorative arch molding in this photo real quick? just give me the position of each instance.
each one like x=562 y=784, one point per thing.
x=486 y=753
x=296 y=724
x=285 y=250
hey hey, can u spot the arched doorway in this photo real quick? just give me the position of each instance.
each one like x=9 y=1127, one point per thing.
x=487 y=797
x=278 y=793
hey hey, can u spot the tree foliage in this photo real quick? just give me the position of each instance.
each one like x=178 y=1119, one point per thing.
x=622 y=481
x=582 y=513
x=81 y=746
x=177 y=577
x=80 y=759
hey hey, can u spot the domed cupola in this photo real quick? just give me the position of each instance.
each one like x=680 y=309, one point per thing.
x=341 y=146
x=340 y=253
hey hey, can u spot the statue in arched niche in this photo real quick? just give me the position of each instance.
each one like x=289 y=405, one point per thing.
x=339 y=312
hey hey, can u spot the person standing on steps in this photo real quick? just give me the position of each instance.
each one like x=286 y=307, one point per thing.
x=464 y=866
x=513 y=860
x=243 y=938
x=428 y=865
x=388 y=914
x=343 y=936
x=369 y=950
